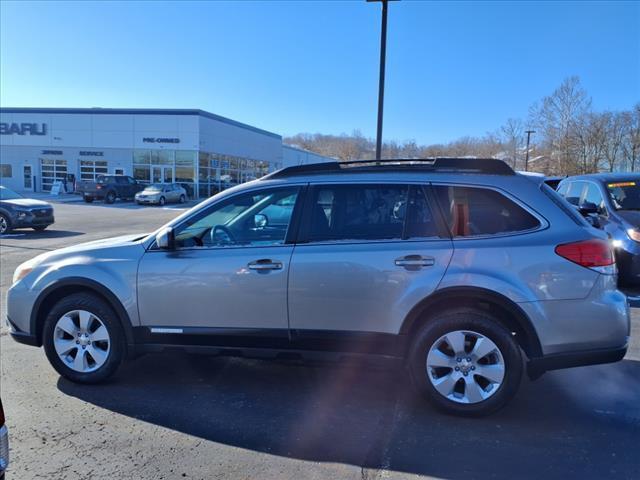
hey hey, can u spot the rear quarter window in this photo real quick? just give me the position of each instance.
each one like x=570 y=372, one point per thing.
x=477 y=211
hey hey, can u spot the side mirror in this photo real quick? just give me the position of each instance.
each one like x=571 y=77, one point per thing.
x=165 y=240
x=260 y=220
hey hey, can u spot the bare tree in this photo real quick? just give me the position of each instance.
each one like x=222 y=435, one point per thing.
x=631 y=143
x=512 y=134
x=556 y=117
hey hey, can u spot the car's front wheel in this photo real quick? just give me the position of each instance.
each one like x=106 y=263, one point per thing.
x=110 y=197
x=162 y=201
x=5 y=224
x=83 y=338
x=465 y=362
x=183 y=199
x=40 y=228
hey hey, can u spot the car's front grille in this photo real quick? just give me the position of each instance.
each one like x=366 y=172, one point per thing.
x=42 y=212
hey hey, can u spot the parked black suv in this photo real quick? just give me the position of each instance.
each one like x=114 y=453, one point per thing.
x=109 y=188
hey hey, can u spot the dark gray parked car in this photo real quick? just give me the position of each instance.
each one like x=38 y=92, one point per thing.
x=19 y=212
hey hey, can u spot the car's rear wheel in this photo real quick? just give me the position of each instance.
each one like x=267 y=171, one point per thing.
x=5 y=224
x=110 y=197
x=83 y=338
x=183 y=199
x=466 y=363
x=162 y=201
x=88 y=199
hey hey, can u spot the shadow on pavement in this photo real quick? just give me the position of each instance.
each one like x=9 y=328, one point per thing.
x=583 y=422
x=50 y=232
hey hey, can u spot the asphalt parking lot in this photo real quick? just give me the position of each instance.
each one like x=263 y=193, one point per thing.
x=174 y=415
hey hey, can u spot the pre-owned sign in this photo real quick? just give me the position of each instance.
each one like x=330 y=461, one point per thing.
x=23 y=128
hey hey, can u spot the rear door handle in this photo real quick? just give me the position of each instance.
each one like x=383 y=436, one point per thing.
x=415 y=261
x=265 y=264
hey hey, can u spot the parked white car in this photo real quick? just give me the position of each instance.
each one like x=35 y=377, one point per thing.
x=161 y=193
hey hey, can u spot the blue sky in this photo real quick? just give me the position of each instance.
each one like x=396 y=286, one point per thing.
x=453 y=69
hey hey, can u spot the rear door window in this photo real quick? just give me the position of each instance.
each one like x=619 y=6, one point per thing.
x=476 y=211
x=363 y=212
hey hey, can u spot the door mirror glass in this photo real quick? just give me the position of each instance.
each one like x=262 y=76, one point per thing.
x=588 y=208
x=260 y=220
x=165 y=240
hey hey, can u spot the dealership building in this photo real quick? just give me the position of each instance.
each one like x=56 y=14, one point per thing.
x=204 y=151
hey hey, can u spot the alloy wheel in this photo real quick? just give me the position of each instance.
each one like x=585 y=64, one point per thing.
x=3 y=224
x=81 y=341
x=465 y=366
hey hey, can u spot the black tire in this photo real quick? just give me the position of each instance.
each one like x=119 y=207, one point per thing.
x=110 y=197
x=97 y=306
x=162 y=201
x=465 y=319
x=5 y=224
x=40 y=228
x=88 y=199
x=183 y=199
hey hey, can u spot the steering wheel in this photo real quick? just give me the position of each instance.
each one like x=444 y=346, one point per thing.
x=221 y=235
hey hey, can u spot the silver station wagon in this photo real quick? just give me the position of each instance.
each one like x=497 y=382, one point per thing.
x=469 y=273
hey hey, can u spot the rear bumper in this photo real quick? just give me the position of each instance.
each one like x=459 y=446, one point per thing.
x=537 y=366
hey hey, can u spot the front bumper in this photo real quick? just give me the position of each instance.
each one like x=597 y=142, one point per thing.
x=31 y=219
x=147 y=200
x=20 y=336
x=4 y=449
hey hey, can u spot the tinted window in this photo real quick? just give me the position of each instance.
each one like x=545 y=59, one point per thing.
x=368 y=212
x=574 y=193
x=625 y=195
x=259 y=218
x=562 y=189
x=594 y=196
x=471 y=211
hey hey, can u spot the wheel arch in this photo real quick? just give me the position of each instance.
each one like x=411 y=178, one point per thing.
x=62 y=288
x=505 y=310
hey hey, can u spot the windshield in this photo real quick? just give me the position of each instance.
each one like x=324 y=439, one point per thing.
x=625 y=195
x=154 y=188
x=6 y=194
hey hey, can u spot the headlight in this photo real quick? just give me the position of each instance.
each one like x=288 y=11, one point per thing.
x=633 y=234
x=24 y=269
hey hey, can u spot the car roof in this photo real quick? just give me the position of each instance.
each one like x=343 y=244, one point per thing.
x=606 y=176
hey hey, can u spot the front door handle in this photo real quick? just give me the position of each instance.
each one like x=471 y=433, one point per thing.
x=415 y=261
x=265 y=264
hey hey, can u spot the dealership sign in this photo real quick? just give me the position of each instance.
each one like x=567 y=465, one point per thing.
x=160 y=140
x=23 y=128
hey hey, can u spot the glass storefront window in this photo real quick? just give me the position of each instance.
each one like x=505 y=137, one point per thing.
x=142 y=173
x=162 y=157
x=142 y=157
x=184 y=174
x=185 y=158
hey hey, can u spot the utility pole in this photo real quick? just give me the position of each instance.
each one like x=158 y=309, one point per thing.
x=383 y=55
x=526 y=160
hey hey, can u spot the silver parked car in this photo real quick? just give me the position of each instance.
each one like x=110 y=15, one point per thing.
x=161 y=193
x=459 y=267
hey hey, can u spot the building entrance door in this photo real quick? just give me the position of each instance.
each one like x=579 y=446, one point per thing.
x=161 y=174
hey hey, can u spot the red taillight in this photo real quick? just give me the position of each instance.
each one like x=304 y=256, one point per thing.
x=588 y=253
x=98 y=187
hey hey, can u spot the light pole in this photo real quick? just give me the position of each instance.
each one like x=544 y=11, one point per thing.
x=526 y=159
x=383 y=55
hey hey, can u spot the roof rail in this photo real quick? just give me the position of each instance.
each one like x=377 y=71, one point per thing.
x=490 y=166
